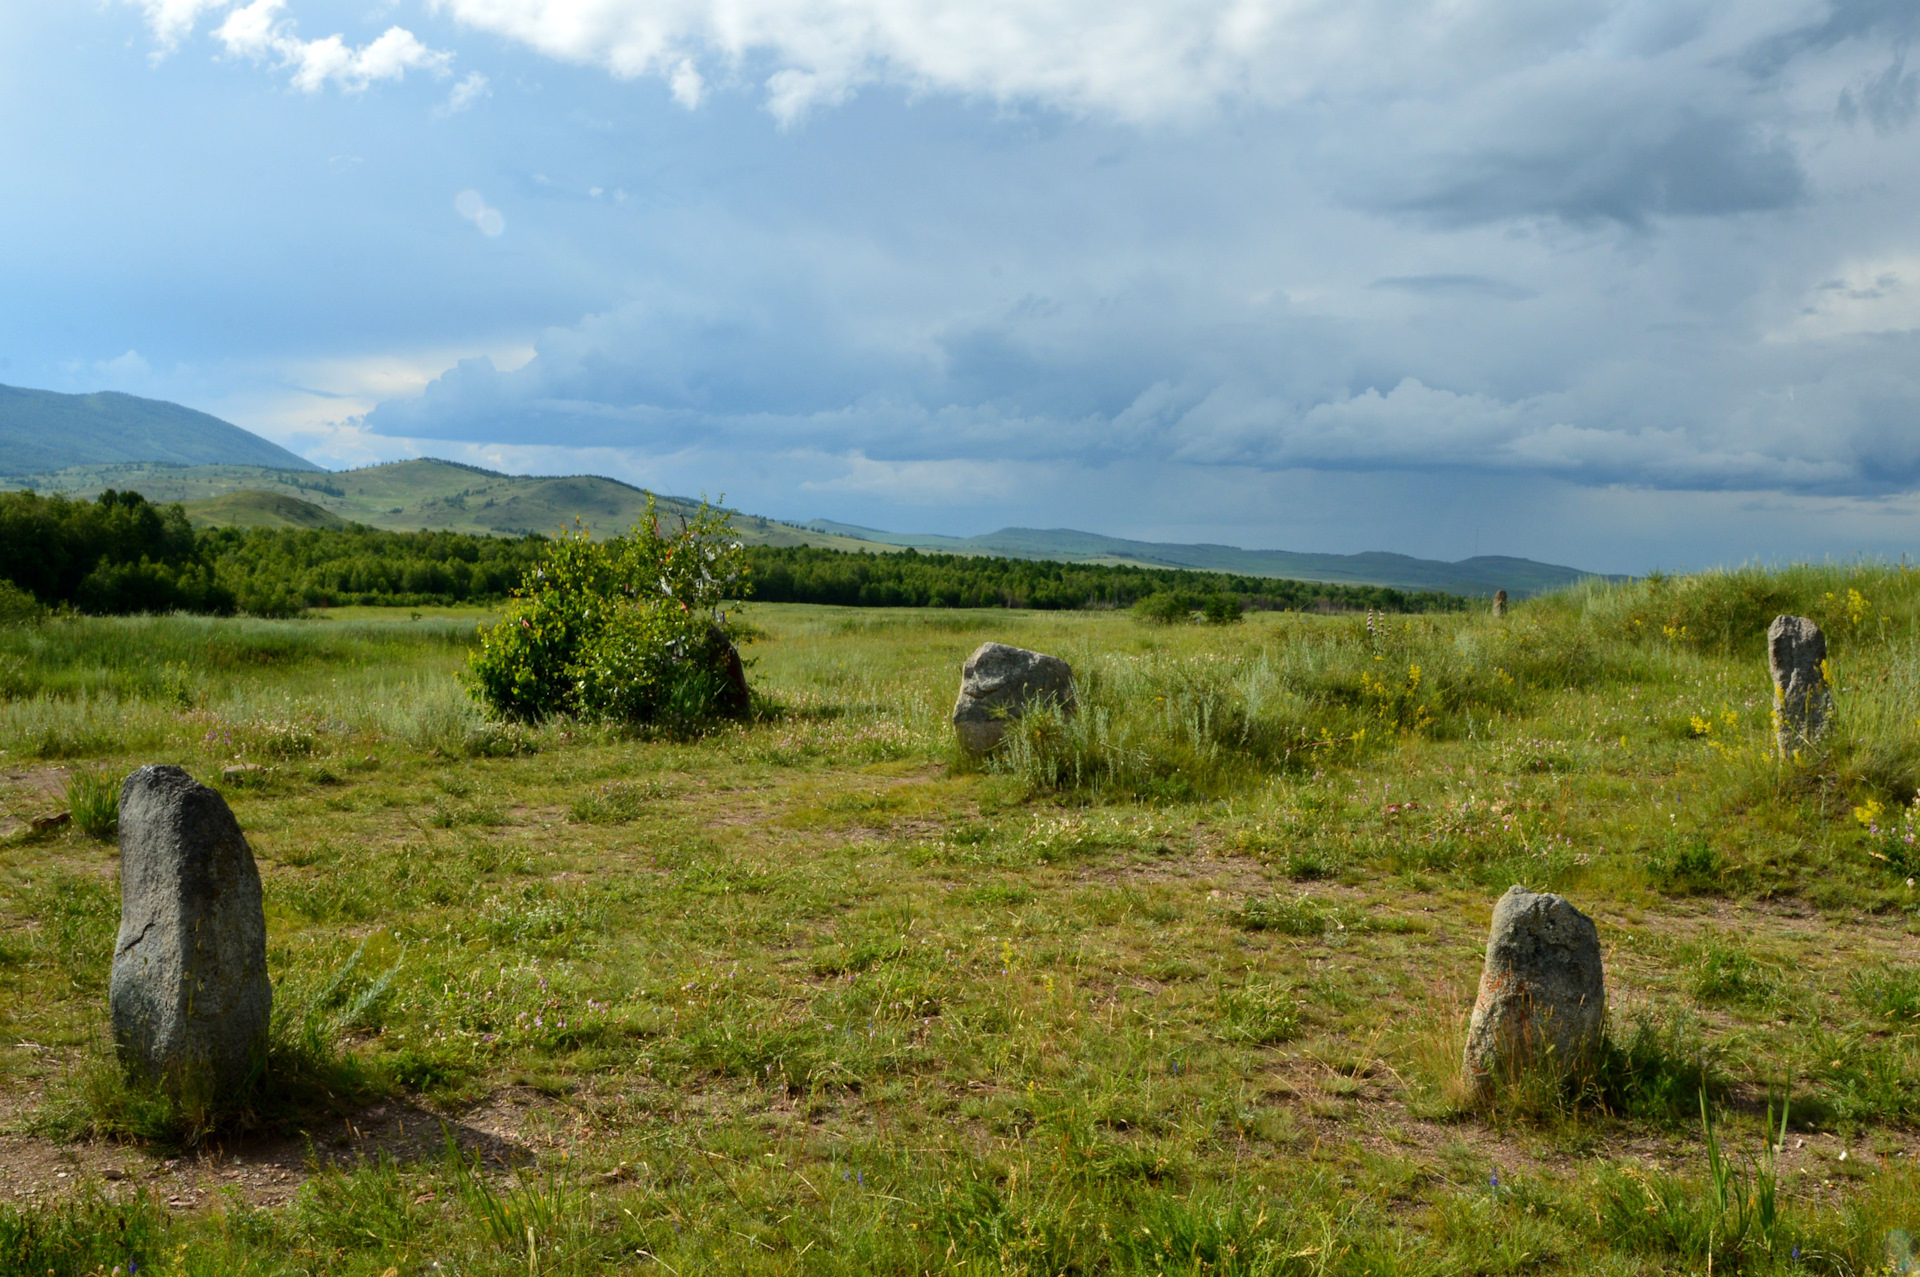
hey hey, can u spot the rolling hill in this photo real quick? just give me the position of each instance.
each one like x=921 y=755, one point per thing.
x=406 y=496
x=42 y=430
x=252 y=508
x=428 y=493
x=82 y=444
x=1481 y=575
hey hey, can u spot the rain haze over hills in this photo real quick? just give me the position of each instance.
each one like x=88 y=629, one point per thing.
x=1620 y=285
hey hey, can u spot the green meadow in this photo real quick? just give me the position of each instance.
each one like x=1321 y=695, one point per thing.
x=1175 y=985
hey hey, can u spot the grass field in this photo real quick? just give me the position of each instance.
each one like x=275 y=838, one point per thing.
x=1177 y=985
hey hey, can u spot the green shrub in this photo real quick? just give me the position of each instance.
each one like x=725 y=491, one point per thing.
x=624 y=631
x=1164 y=608
x=1222 y=609
x=17 y=607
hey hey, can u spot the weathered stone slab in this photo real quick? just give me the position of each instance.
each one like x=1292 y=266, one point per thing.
x=1543 y=996
x=1802 y=700
x=190 y=998
x=1499 y=602
x=999 y=683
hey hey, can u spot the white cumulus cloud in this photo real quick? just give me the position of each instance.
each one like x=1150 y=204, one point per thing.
x=260 y=32
x=1131 y=58
x=173 y=20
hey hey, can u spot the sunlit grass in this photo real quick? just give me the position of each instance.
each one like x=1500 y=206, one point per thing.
x=1176 y=984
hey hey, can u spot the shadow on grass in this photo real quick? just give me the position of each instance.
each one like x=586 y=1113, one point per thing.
x=303 y=1079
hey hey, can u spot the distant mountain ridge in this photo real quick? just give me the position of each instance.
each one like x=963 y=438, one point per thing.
x=451 y=496
x=82 y=444
x=43 y=430
x=405 y=496
x=1480 y=575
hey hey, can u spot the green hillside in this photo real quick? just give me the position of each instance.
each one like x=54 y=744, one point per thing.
x=41 y=430
x=1476 y=576
x=252 y=508
x=414 y=495
x=448 y=496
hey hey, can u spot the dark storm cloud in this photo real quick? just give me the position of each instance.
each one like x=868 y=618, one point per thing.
x=1622 y=169
x=1894 y=22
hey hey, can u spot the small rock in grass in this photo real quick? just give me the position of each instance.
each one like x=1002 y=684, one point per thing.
x=190 y=998
x=1797 y=658
x=999 y=683
x=1543 y=996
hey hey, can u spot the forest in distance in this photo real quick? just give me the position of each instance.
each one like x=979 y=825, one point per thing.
x=120 y=554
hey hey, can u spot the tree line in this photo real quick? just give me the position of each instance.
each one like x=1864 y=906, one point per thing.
x=909 y=578
x=120 y=553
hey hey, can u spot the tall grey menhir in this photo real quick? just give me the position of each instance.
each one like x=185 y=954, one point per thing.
x=1797 y=659
x=190 y=997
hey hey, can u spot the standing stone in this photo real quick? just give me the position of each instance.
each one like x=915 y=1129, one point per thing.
x=735 y=699
x=1499 y=602
x=1797 y=657
x=1543 y=997
x=998 y=683
x=190 y=997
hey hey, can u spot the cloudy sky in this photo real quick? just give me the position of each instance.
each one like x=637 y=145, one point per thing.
x=1619 y=283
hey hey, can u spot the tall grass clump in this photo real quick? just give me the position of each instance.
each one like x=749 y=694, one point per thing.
x=94 y=799
x=1174 y=725
x=1726 y=612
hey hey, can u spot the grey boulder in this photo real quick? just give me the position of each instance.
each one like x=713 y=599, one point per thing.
x=1543 y=995
x=999 y=683
x=189 y=997
x=1797 y=659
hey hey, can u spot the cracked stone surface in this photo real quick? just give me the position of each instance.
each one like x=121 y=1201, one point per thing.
x=189 y=996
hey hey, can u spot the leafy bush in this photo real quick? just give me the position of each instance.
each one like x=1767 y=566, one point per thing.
x=1164 y=608
x=17 y=606
x=1221 y=609
x=625 y=631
